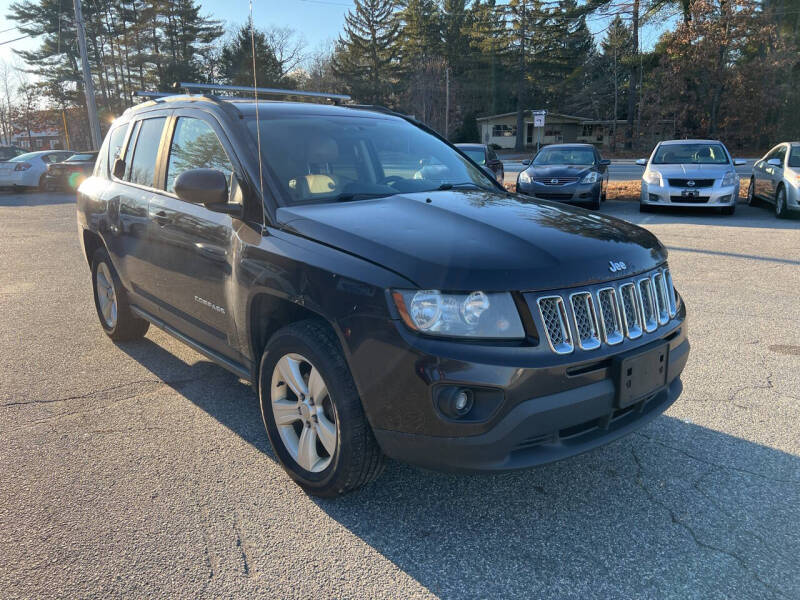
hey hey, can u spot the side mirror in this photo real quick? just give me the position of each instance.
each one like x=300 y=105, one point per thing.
x=642 y=162
x=775 y=162
x=526 y=161
x=605 y=162
x=208 y=187
x=119 y=168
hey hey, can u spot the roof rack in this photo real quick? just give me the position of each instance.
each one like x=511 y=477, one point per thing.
x=212 y=87
x=145 y=94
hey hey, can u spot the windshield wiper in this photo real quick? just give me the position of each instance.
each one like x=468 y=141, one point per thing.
x=358 y=196
x=450 y=186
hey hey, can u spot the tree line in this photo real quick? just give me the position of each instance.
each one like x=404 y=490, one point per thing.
x=720 y=68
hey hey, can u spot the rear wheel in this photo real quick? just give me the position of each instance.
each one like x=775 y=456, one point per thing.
x=780 y=203
x=313 y=414
x=113 y=310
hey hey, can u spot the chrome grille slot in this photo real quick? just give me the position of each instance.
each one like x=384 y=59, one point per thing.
x=660 y=290
x=609 y=316
x=554 y=317
x=648 y=304
x=631 y=317
x=673 y=302
x=585 y=320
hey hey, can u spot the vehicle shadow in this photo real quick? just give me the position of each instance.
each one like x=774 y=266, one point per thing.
x=699 y=512
x=14 y=198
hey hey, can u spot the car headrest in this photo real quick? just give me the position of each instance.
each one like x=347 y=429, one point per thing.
x=322 y=149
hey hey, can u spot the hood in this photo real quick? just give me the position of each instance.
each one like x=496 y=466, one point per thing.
x=558 y=170
x=690 y=170
x=459 y=240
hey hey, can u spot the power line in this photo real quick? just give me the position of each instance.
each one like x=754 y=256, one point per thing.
x=22 y=37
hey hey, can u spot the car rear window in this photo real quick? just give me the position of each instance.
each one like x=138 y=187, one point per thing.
x=80 y=158
x=143 y=164
x=476 y=154
x=691 y=154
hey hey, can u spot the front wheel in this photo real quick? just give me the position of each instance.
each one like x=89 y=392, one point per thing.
x=780 y=203
x=751 y=193
x=313 y=414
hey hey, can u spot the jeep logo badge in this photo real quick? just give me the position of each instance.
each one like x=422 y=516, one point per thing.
x=616 y=266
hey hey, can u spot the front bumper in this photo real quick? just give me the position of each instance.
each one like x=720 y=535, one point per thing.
x=716 y=196
x=578 y=193
x=550 y=406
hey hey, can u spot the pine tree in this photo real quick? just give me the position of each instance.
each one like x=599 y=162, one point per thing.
x=236 y=60
x=366 y=52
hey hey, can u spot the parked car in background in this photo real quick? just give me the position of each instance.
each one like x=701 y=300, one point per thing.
x=29 y=170
x=485 y=157
x=68 y=174
x=9 y=152
x=776 y=179
x=690 y=173
x=574 y=173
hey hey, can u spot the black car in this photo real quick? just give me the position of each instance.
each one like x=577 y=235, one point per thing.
x=70 y=173
x=574 y=173
x=382 y=294
x=484 y=156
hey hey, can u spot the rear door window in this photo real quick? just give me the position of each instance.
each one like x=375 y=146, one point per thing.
x=142 y=170
x=195 y=146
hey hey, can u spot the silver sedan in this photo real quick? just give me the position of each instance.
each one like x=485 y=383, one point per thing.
x=698 y=173
x=776 y=179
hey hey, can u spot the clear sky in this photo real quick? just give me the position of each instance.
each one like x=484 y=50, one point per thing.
x=318 y=22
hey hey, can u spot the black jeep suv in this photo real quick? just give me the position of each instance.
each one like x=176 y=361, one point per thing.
x=383 y=295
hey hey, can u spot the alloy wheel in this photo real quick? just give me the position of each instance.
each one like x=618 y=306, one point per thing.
x=750 y=193
x=106 y=296
x=304 y=414
x=780 y=202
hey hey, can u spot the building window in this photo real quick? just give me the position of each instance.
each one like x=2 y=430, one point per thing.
x=587 y=130
x=504 y=130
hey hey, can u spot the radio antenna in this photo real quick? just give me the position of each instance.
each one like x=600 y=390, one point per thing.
x=258 y=121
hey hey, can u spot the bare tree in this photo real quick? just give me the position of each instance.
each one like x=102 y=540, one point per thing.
x=288 y=46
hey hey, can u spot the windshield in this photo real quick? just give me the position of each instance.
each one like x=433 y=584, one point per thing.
x=691 y=154
x=565 y=156
x=794 y=156
x=80 y=158
x=24 y=157
x=336 y=158
x=476 y=154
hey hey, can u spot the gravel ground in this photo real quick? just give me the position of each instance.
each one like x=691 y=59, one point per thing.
x=143 y=470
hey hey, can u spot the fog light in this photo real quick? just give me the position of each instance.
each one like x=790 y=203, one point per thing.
x=653 y=197
x=725 y=199
x=456 y=402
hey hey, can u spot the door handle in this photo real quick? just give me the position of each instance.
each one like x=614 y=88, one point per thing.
x=162 y=217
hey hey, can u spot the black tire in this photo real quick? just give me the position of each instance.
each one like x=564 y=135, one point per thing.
x=595 y=203
x=780 y=203
x=728 y=210
x=126 y=326
x=751 y=193
x=357 y=459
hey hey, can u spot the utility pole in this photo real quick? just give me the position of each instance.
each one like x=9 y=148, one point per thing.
x=88 y=85
x=447 y=103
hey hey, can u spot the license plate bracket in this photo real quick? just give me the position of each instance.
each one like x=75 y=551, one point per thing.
x=640 y=373
x=690 y=193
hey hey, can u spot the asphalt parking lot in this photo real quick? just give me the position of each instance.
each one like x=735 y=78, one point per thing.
x=143 y=470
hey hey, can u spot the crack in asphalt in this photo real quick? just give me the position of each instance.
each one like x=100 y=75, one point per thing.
x=716 y=465
x=693 y=534
x=240 y=544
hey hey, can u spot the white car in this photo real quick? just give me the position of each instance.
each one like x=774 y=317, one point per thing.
x=699 y=173
x=28 y=170
x=776 y=179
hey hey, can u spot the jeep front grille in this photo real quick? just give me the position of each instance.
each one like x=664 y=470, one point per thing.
x=554 y=316
x=587 y=319
x=631 y=315
x=588 y=333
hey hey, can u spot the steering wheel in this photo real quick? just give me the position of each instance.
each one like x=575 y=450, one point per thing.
x=392 y=179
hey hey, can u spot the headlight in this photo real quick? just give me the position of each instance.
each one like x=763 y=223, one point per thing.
x=477 y=314
x=592 y=177
x=653 y=178
x=524 y=177
x=730 y=178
